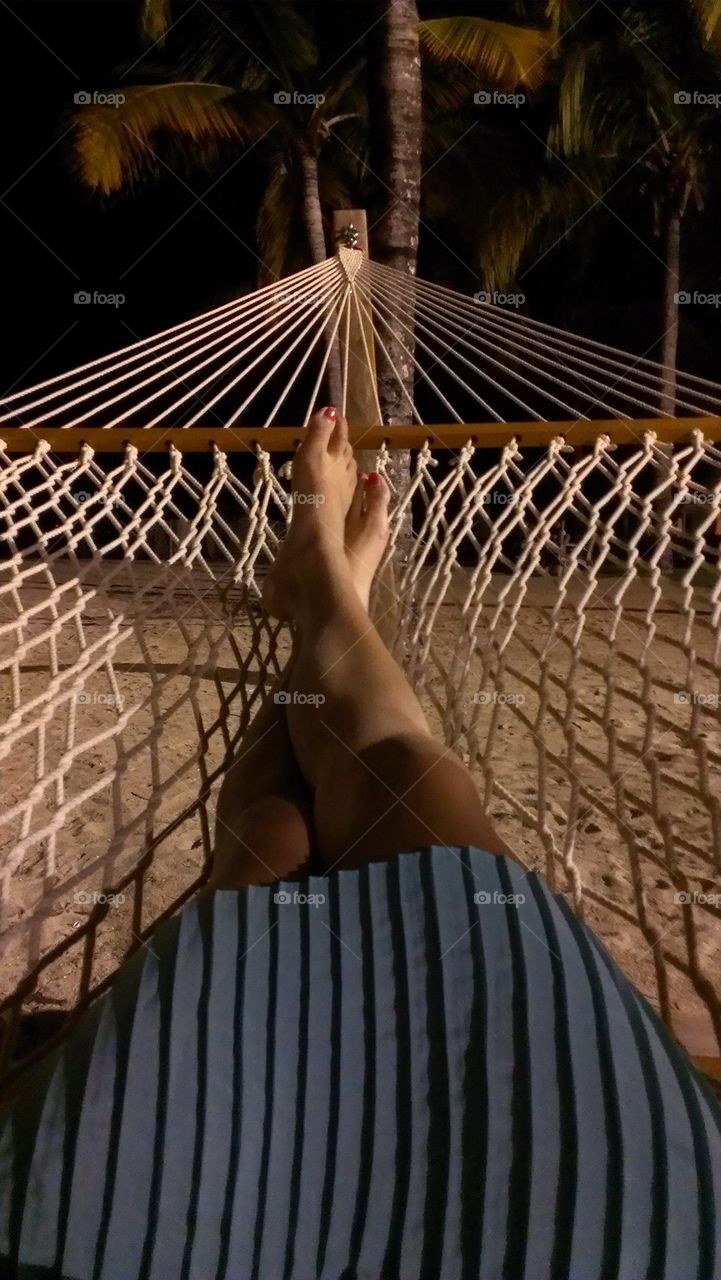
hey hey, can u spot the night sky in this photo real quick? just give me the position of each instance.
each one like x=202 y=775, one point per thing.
x=174 y=251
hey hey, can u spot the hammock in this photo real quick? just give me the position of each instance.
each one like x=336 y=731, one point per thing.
x=551 y=587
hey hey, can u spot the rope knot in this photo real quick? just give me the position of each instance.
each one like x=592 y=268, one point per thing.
x=220 y=461
x=264 y=462
x=425 y=457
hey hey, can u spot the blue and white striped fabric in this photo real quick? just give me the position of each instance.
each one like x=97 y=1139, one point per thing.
x=416 y=1077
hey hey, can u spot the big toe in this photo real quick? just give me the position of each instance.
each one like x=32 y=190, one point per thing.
x=320 y=429
x=340 y=438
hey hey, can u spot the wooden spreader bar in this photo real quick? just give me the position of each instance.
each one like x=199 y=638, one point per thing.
x=285 y=439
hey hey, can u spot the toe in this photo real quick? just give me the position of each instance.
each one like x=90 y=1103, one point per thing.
x=339 y=438
x=320 y=429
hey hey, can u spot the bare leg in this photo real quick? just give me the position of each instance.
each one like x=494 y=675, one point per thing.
x=263 y=826
x=381 y=782
x=264 y=816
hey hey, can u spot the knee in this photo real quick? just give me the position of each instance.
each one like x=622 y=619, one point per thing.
x=267 y=840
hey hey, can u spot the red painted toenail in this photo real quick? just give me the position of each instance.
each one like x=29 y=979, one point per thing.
x=374 y=478
x=330 y=412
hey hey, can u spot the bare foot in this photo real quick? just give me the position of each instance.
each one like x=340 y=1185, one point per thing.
x=324 y=481
x=367 y=531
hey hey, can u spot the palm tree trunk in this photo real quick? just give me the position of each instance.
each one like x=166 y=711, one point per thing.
x=671 y=284
x=400 y=86
x=395 y=239
x=312 y=216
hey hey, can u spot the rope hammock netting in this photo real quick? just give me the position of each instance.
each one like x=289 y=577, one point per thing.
x=557 y=608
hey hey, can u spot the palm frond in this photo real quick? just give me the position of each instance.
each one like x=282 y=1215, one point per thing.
x=530 y=219
x=708 y=16
x=497 y=52
x=614 y=98
x=115 y=146
x=578 y=124
x=249 y=44
x=562 y=14
x=155 y=19
x=274 y=223
x=555 y=13
x=279 y=35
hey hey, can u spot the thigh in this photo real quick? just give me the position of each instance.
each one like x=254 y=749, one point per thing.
x=406 y=792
